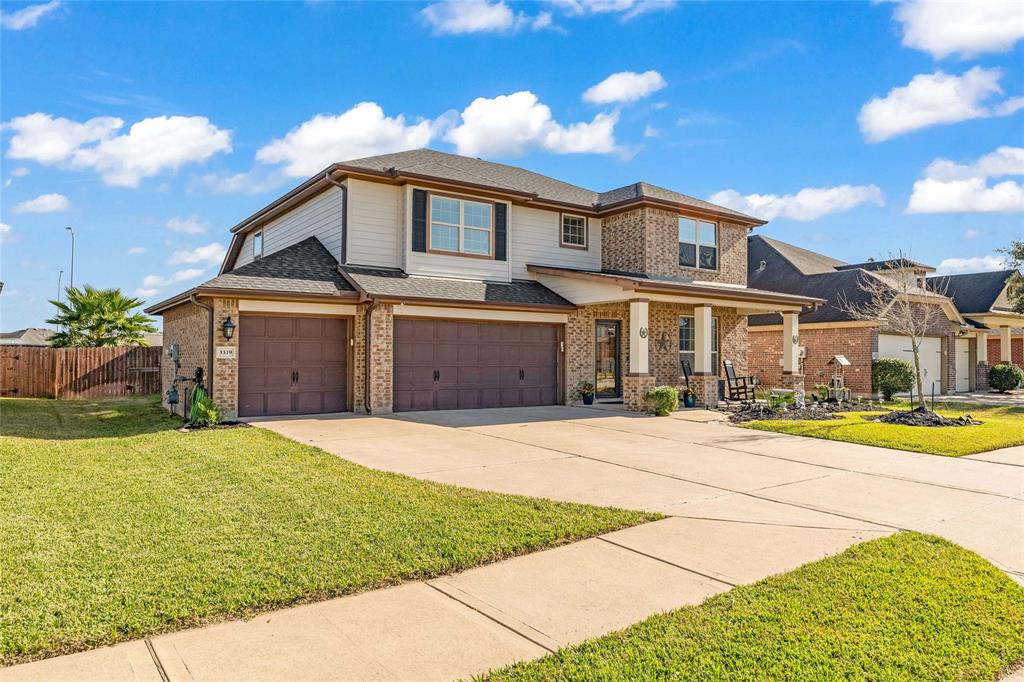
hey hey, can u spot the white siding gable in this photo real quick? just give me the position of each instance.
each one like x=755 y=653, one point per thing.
x=536 y=239
x=375 y=220
x=318 y=217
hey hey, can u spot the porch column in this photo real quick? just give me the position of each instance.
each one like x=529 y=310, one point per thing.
x=790 y=343
x=702 y=340
x=639 y=354
x=981 y=347
x=1004 y=344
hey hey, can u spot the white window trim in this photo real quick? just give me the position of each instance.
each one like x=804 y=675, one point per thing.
x=258 y=236
x=461 y=227
x=561 y=231
x=696 y=243
x=715 y=344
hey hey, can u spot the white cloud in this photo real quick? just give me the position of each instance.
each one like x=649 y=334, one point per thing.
x=363 y=130
x=949 y=187
x=19 y=172
x=44 y=203
x=971 y=233
x=190 y=225
x=472 y=16
x=253 y=181
x=624 y=86
x=509 y=125
x=651 y=131
x=157 y=281
x=628 y=9
x=5 y=232
x=28 y=16
x=809 y=203
x=136 y=250
x=967 y=28
x=209 y=254
x=146 y=293
x=958 y=266
x=542 y=20
x=150 y=146
x=933 y=99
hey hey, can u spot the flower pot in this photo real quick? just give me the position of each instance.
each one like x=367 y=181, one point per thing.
x=689 y=400
x=588 y=399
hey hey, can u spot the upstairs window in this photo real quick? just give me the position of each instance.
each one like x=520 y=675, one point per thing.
x=687 y=347
x=257 y=245
x=698 y=244
x=460 y=226
x=574 y=231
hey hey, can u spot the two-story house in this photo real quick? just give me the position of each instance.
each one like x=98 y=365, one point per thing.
x=422 y=280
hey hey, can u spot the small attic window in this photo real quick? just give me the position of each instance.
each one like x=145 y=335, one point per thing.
x=257 y=245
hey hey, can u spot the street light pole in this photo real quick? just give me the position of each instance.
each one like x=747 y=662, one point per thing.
x=72 y=256
x=59 y=278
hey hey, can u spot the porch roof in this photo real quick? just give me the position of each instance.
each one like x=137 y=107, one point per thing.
x=634 y=284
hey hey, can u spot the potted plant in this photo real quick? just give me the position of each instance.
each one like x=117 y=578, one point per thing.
x=586 y=392
x=689 y=397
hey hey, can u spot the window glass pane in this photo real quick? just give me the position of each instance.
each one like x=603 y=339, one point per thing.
x=715 y=364
x=444 y=237
x=708 y=234
x=709 y=257
x=687 y=255
x=444 y=210
x=257 y=244
x=688 y=230
x=685 y=333
x=574 y=230
x=476 y=215
x=476 y=241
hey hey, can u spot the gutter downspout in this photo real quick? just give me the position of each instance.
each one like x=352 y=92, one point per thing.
x=209 y=351
x=344 y=215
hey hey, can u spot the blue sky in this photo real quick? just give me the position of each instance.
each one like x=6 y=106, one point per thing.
x=151 y=128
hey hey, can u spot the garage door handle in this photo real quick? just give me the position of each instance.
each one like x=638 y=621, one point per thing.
x=437 y=375
x=522 y=375
x=295 y=377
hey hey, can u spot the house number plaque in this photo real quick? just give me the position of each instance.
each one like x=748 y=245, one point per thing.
x=225 y=352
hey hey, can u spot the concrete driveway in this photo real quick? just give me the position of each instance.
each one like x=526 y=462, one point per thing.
x=742 y=505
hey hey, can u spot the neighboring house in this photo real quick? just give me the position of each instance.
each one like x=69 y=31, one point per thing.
x=423 y=280
x=831 y=329
x=983 y=299
x=33 y=336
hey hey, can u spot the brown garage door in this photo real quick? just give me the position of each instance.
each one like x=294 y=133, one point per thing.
x=448 y=364
x=291 y=365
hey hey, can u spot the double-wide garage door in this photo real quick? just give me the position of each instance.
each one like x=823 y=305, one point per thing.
x=292 y=365
x=451 y=364
x=930 y=355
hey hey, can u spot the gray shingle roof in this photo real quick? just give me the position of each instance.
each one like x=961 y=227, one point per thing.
x=807 y=262
x=974 y=292
x=467 y=169
x=303 y=268
x=393 y=283
x=888 y=264
x=33 y=336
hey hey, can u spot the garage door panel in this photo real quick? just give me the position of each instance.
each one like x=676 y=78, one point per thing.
x=278 y=403
x=252 y=327
x=335 y=352
x=447 y=376
x=469 y=331
x=446 y=352
x=251 y=404
x=447 y=399
x=930 y=356
x=308 y=352
x=510 y=355
x=277 y=351
x=253 y=351
x=468 y=354
x=280 y=327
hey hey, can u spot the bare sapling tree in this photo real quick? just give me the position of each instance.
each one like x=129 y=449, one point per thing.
x=895 y=296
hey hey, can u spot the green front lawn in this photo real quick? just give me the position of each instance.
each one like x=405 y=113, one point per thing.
x=905 y=607
x=1003 y=427
x=114 y=525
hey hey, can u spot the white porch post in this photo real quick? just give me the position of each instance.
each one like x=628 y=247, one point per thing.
x=790 y=343
x=1004 y=344
x=702 y=340
x=639 y=354
x=981 y=347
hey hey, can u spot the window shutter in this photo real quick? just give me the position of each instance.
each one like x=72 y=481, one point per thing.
x=419 y=220
x=500 y=231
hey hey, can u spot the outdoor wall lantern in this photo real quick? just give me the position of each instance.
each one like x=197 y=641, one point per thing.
x=229 y=328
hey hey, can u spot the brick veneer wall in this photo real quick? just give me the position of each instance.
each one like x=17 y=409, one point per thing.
x=856 y=343
x=185 y=325
x=382 y=349
x=225 y=370
x=646 y=240
x=579 y=343
x=1016 y=351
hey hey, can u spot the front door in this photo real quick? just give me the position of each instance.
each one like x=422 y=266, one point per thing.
x=607 y=346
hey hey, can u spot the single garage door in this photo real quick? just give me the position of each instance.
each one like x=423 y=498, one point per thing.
x=894 y=346
x=449 y=364
x=963 y=365
x=291 y=365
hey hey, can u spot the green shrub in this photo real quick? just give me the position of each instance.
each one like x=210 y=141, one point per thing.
x=203 y=411
x=662 y=400
x=890 y=376
x=1005 y=377
x=821 y=390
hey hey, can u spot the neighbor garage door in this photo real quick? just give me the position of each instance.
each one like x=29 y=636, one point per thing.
x=893 y=346
x=963 y=365
x=449 y=364
x=291 y=365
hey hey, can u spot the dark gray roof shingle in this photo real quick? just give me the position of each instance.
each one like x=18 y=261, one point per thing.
x=387 y=282
x=887 y=264
x=974 y=292
x=468 y=169
x=303 y=268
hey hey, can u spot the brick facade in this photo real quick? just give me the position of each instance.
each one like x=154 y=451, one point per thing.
x=382 y=350
x=646 y=240
x=856 y=343
x=225 y=370
x=185 y=325
x=1016 y=350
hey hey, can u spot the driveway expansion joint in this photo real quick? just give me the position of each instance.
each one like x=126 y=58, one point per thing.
x=156 y=661
x=666 y=561
x=431 y=584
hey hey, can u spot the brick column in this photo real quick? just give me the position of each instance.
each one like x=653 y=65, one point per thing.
x=706 y=386
x=382 y=350
x=225 y=369
x=793 y=381
x=634 y=391
x=981 y=376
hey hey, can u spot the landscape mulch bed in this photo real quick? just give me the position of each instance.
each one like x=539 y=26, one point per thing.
x=188 y=428
x=919 y=417
x=822 y=411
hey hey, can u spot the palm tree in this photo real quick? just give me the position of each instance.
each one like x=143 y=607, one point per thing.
x=93 y=317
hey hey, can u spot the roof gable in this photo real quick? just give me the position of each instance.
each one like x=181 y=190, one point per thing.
x=975 y=292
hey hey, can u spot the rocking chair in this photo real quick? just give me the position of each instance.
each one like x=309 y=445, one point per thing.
x=738 y=388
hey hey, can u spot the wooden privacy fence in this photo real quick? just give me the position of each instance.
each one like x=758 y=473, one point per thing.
x=41 y=372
